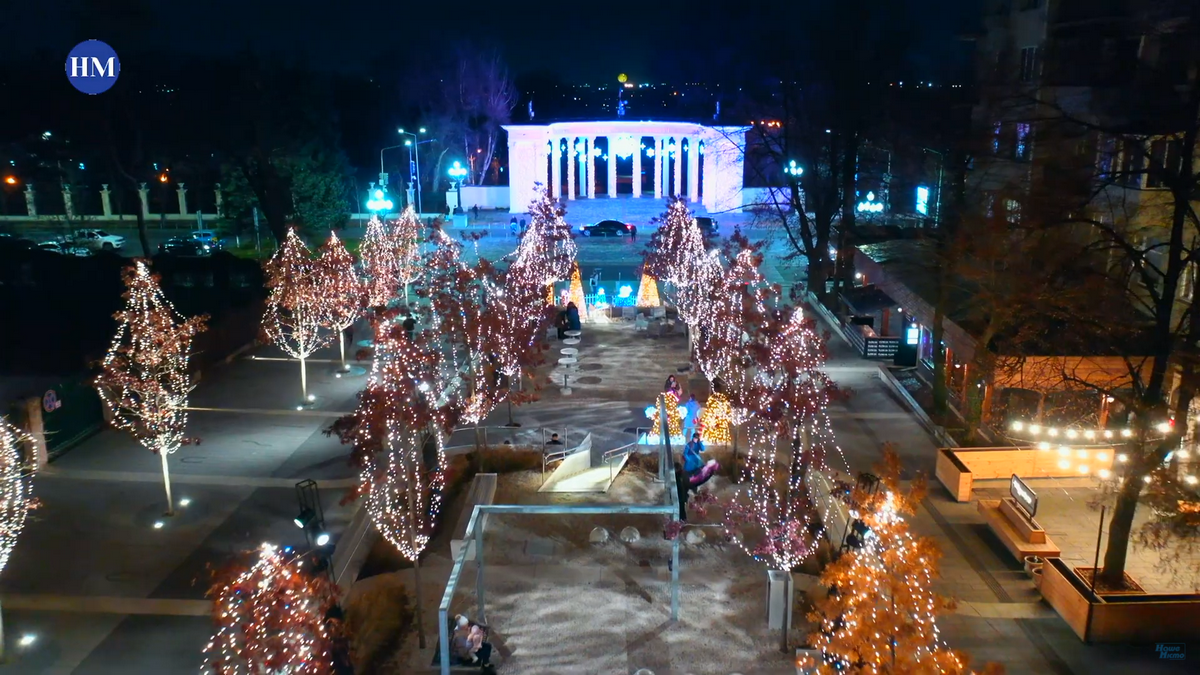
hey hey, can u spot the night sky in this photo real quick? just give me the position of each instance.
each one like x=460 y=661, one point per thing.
x=578 y=41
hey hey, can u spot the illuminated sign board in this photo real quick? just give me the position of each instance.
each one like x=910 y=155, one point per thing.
x=1025 y=498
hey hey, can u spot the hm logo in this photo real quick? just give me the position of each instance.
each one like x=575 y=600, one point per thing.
x=80 y=66
x=93 y=67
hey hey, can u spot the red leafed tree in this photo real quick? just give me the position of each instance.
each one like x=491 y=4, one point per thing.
x=274 y=618
x=144 y=379
x=406 y=247
x=15 y=500
x=341 y=288
x=399 y=425
x=380 y=268
x=297 y=306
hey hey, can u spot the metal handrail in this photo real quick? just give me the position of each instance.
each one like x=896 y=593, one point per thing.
x=610 y=455
x=558 y=456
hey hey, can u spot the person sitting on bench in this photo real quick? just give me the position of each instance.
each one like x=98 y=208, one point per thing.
x=554 y=440
x=468 y=645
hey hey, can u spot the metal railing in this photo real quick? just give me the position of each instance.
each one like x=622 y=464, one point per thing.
x=560 y=455
x=610 y=456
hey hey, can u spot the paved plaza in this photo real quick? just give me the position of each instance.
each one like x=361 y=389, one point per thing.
x=105 y=592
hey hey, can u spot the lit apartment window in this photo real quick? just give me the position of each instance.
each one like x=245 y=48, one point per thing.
x=1028 y=64
x=1023 y=144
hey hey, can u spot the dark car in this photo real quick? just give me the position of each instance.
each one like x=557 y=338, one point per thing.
x=184 y=247
x=708 y=226
x=606 y=228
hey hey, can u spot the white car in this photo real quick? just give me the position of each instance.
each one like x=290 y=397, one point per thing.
x=98 y=240
x=63 y=248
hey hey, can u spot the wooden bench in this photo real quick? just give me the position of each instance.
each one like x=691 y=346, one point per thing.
x=1022 y=536
x=482 y=491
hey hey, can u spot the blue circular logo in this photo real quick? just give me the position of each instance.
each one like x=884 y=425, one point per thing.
x=93 y=67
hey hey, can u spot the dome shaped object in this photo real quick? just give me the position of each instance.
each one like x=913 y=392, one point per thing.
x=599 y=535
x=630 y=535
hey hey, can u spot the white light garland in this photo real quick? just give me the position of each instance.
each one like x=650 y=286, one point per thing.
x=14 y=489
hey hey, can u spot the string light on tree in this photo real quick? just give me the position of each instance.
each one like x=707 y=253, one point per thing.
x=380 y=266
x=144 y=380
x=15 y=500
x=297 y=306
x=575 y=294
x=406 y=248
x=648 y=292
x=341 y=288
x=882 y=617
x=715 y=418
x=272 y=618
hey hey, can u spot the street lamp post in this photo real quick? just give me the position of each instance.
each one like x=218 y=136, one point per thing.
x=415 y=167
x=457 y=172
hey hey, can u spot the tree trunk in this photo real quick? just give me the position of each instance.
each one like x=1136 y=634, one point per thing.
x=142 y=236
x=342 y=347
x=1120 y=527
x=303 y=382
x=167 y=482
x=417 y=601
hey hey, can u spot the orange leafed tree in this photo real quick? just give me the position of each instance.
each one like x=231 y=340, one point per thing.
x=342 y=288
x=274 y=618
x=882 y=615
x=144 y=379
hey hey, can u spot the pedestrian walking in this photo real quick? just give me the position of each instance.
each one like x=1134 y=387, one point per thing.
x=633 y=233
x=475 y=212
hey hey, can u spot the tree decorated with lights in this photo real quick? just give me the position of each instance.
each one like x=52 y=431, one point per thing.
x=274 y=618
x=297 y=306
x=342 y=289
x=403 y=411
x=380 y=266
x=647 y=295
x=15 y=500
x=144 y=380
x=575 y=292
x=715 y=419
x=881 y=616
x=406 y=248
x=677 y=256
x=675 y=414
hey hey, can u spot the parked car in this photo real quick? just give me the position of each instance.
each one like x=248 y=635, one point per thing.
x=12 y=242
x=209 y=237
x=185 y=246
x=708 y=226
x=98 y=240
x=63 y=248
x=606 y=228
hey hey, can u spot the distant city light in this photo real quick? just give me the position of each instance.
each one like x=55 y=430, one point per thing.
x=922 y=200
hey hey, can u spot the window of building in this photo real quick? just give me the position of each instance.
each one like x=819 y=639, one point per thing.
x=1028 y=64
x=1133 y=161
x=1023 y=141
x=1106 y=158
x=1012 y=211
x=1164 y=162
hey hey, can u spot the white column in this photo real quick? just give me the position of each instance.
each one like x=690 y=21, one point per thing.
x=658 y=167
x=678 y=187
x=105 y=200
x=182 y=190
x=694 y=169
x=612 y=169
x=571 y=159
x=591 y=168
x=637 y=167
x=30 y=203
x=704 y=169
x=556 y=168
x=220 y=201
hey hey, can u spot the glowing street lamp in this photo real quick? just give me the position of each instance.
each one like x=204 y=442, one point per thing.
x=457 y=173
x=379 y=201
x=793 y=169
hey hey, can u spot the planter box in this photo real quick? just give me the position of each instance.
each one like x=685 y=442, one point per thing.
x=958 y=468
x=1022 y=537
x=1119 y=618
